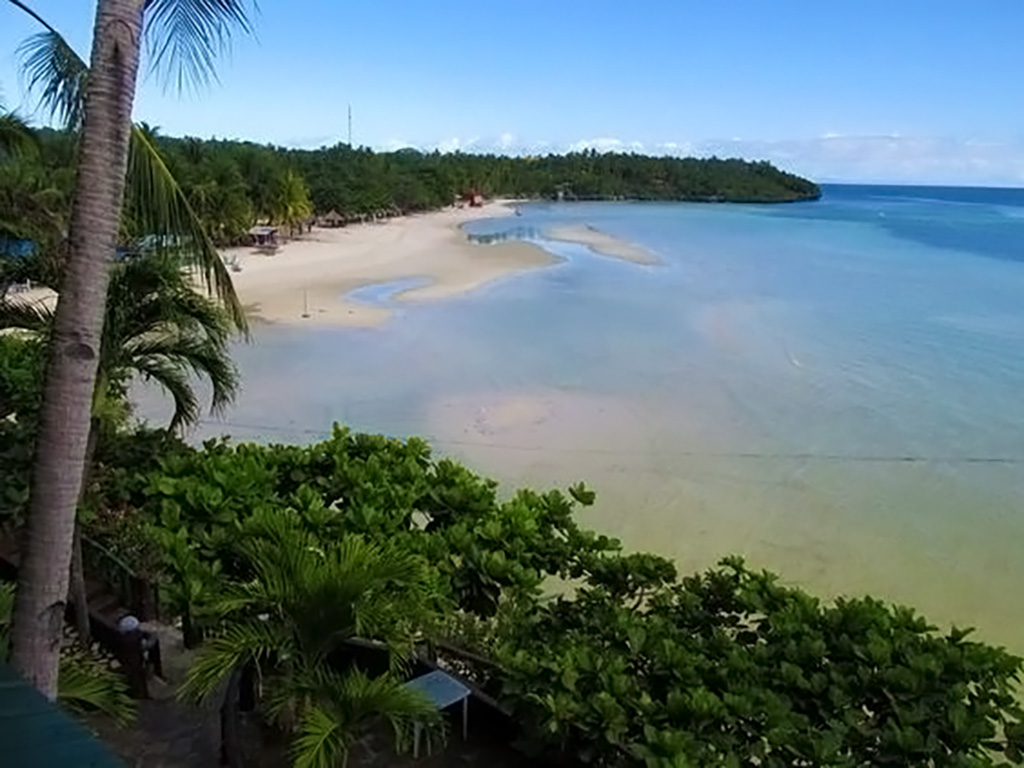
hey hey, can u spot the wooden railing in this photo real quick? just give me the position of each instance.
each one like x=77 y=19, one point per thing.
x=137 y=594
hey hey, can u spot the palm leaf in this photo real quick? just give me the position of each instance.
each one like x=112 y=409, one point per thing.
x=321 y=742
x=174 y=380
x=86 y=684
x=58 y=74
x=16 y=138
x=221 y=655
x=343 y=705
x=34 y=317
x=161 y=212
x=185 y=36
x=154 y=202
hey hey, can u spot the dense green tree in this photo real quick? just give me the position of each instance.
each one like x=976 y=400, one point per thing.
x=231 y=185
x=631 y=665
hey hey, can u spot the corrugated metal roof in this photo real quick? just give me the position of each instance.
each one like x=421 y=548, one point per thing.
x=34 y=732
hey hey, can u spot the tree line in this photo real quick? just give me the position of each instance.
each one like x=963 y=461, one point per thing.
x=232 y=185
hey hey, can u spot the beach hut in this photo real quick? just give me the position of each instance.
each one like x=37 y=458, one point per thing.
x=474 y=198
x=263 y=236
x=333 y=219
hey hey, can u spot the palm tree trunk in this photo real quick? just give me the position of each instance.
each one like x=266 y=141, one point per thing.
x=74 y=351
x=77 y=593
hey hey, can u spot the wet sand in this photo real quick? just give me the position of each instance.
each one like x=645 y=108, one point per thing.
x=602 y=243
x=305 y=281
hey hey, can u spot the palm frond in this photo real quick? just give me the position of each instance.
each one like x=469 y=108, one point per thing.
x=178 y=348
x=221 y=655
x=16 y=138
x=34 y=317
x=343 y=705
x=161 y=213
x=57 y=74
x=321 y=742
x=185 y=36
x=174 y=380
x=86 y=684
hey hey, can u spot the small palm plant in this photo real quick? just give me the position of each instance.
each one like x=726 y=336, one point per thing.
x=294 y=620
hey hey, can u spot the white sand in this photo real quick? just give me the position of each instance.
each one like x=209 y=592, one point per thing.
x=603 y=243
x=310 y=276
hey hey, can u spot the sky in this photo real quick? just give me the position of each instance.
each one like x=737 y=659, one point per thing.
x=905 y=91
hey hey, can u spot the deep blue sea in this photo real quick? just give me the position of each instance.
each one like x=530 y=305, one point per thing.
x=834 y=389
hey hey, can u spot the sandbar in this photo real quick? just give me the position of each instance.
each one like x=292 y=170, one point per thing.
x=602 y=243
x=305 y=281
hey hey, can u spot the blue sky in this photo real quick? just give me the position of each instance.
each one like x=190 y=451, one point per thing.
x=856 y=90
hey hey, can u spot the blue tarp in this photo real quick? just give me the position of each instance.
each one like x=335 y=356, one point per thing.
x=16 y=246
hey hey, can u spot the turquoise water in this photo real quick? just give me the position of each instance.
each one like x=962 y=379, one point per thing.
x=833 y=389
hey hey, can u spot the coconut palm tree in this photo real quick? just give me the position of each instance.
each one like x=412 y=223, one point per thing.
x=294 y=619
x=184 y=35
x=156 y=327
x=293 y=204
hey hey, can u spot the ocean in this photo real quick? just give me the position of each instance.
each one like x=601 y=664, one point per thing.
x=832 y=389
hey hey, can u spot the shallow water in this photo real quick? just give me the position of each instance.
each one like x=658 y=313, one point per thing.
x=833 y=389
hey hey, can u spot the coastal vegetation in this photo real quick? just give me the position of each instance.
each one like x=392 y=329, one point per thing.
x=231 y=185
x=291 y=559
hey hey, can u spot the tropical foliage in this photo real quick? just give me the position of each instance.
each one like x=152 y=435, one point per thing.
x=632 y=665
x=228 y=186
x=157 y=327
x=293 y=618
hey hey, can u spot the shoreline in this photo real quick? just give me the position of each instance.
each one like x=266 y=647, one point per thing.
x=602 y=243
x=306 y=280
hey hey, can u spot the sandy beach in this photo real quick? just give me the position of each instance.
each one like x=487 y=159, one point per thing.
x=306 y=280
x=602 y=243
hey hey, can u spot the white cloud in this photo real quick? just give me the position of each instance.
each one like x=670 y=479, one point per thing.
x=674 y=148
x=599 y=145
x=456 y=144
x=833 y=156
x=393 y=145
x=887 y=158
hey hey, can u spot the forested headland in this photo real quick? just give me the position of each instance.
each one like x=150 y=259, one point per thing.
x=232 y=185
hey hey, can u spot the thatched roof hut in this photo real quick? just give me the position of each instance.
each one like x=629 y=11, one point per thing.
x=332 y=219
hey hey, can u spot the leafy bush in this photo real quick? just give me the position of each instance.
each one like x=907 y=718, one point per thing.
x=634 y=665
x=730 y=668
